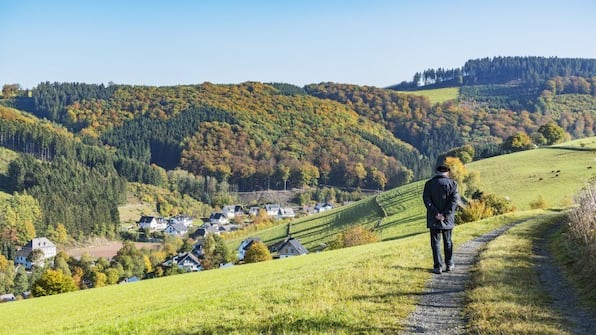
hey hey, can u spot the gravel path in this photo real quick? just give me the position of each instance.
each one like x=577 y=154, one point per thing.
x=564 y=298
x=440 y=311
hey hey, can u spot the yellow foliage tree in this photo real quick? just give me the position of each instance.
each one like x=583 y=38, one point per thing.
x=257 y=252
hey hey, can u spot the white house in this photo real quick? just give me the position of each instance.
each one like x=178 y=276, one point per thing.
x=273 y=210
x=231 y=211
x=182 y=219
x=320 y=207
x=218 y=218
x=46 y=246
x=187 y=261
x=7 y=297
x=177 y=229
x=152 y=223
x=287 y=213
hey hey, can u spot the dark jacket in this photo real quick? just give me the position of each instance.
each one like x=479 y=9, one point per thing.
x=440 y=196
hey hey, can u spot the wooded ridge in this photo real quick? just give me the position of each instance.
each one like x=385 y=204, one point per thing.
x=254 y=136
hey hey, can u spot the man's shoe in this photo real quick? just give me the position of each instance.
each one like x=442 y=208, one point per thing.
x=450 y=267
x=437 y=270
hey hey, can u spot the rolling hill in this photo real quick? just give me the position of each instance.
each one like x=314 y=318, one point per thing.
x=522 y=177
x=340 y=291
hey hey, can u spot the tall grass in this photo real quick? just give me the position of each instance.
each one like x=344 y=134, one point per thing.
x=576 y=248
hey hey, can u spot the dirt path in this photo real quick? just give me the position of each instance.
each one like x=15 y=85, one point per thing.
x=563 y=296
x=440 y=311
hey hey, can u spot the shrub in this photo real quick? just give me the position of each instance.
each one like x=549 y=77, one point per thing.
x=498 y=205
x=474 y=210
x=539 y=203
x=52 y=282
x=356 y=235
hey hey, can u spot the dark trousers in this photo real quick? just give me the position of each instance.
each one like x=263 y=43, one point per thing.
x=435 y=243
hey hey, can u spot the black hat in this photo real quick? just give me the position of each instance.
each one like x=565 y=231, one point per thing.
x=443 y=168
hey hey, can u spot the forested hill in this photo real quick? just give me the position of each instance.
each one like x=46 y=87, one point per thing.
x=253 y=135
x=90 y=140
x=260 y=136
x=524 y=71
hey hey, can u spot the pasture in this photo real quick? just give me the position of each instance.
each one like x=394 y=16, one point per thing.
x=555 y=173
x=363 y=289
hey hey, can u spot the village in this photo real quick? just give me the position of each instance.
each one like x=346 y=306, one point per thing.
x=39 y=251
x=230 y=218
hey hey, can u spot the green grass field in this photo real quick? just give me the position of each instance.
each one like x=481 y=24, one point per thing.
x=588 y=142
x=364 y=289
x=522 y=176
x=556 y=174
x=438 y=95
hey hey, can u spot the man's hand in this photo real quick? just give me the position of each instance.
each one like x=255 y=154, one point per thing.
x=440 y=217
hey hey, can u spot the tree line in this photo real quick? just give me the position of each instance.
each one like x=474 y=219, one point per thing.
x=527 y=71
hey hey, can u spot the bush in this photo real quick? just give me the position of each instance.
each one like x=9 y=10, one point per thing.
x=356 y=235
x=539 y=203
x=52 y=282
x=257 y=252
x=498 y=205
x=474 y=210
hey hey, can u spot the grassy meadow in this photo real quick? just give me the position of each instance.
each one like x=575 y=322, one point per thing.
x=438 y=95
x=556 y=174
x=364 y=289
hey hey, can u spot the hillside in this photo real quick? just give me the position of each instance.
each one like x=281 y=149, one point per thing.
x=208 y=141
x=522 y=177
x=370 y=287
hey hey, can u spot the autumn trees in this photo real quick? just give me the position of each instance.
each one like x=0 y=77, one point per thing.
x=257 y=252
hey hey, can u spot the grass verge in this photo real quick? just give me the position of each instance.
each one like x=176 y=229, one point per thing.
x=505 y=295
x=565 y=254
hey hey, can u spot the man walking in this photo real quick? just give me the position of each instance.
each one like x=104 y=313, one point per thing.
x=440 y=197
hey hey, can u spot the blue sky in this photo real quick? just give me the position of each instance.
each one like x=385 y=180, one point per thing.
x=368 y=42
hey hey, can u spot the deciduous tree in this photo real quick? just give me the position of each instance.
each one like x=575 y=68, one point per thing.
x=257 y=252
x=52 y=282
